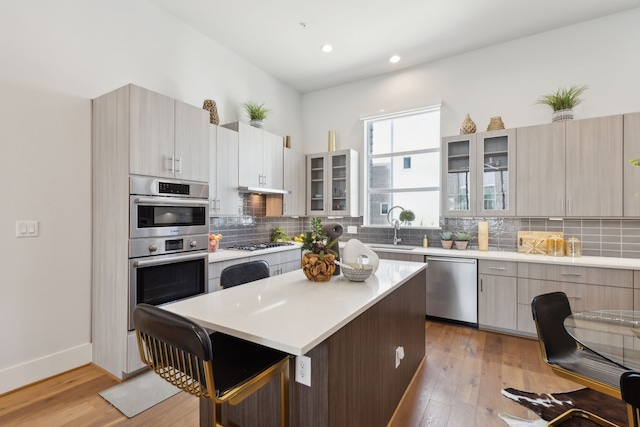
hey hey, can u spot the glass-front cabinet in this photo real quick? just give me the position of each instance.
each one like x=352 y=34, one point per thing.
x=496 y=160
x=459 y=166
x=478 y=174
x=332 y=183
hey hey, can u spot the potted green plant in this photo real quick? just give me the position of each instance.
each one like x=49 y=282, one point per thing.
x=446 y=239
x=318 y=263
x=462 y=239
x=406 y=216
x=562 y=101
x=256 y=112
x=278 y=235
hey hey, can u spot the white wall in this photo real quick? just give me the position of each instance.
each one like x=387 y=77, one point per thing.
x=503 y=80
x=56 y=57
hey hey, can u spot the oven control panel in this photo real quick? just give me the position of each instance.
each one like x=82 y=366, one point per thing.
x=167 y=245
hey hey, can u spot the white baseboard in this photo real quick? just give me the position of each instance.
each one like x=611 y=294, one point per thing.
x=38 y=369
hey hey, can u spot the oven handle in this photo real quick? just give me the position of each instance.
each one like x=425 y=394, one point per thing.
x=164 y=202
x=171 y=260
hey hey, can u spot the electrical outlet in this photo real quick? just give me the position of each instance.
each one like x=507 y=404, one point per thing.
x=303 y=370
x=352 y=229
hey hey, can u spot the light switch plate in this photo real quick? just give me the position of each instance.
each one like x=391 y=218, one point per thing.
x=26 y=228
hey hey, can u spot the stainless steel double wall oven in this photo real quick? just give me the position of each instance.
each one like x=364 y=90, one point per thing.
x=168 y=240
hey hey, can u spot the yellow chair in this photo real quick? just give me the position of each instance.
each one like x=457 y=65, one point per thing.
x=212 y=366
x=568 y=359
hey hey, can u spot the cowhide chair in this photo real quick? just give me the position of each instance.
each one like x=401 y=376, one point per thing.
x=569 y=360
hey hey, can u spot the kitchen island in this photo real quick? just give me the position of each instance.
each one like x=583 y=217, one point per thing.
x=351 y=331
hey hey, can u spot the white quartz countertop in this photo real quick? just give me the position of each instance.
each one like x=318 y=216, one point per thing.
x=290 y=313
x=585 y=261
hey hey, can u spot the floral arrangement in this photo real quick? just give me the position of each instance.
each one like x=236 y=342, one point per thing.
x=214 y=241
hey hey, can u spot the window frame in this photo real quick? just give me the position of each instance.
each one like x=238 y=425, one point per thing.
x=367 y=162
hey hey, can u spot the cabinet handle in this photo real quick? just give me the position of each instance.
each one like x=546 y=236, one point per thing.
x=172 y=164
x=179 y=161
x=497 y=268
x=480 y=285
x=568 y=206
x=571 y=274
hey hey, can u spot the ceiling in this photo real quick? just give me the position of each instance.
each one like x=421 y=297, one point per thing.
x=365 y=33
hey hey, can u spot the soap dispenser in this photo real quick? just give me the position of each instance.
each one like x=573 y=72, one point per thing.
x=425 y=242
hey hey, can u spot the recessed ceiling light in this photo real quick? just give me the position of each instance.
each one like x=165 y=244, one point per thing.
x=327 y=48
x=394 y=59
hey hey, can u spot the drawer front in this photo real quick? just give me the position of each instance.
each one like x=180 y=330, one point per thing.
x=498 y=268
x=577 y=274
x=581 y=298
x=215 y=268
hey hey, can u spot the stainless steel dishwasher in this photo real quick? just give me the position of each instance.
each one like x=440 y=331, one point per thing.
x=452 y=289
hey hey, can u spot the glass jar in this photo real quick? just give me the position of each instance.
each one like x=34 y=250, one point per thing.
x=573 y=247
x=555 y=245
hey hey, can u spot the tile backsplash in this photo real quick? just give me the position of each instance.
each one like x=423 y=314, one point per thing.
x=618 y=238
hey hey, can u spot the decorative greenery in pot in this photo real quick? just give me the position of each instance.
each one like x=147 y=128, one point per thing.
x=462 y=239
x=446 y=239
x=278 y=235
x=318 y=264
x=562 y=101
x=406 y=216
x=256 y=112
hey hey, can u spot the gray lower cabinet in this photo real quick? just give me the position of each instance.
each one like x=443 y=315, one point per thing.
x=399 y=256
x=497 y=291
x=588 y=288
x=279 y=263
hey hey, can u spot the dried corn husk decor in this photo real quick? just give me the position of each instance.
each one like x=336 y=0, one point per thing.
x=495 y=123
x=210 y=106
x=467 y=126
x=318 y=268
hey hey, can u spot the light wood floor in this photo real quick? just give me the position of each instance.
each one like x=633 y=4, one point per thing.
x=458 y=386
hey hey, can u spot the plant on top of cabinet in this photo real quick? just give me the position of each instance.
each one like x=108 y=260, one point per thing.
x=562 y=101
x=256 y=112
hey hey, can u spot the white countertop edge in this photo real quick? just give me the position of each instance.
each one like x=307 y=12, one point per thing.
x=584 y=261
x=295 y=341
x=227 y=254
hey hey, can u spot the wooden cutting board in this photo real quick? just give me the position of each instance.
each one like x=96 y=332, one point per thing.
x=535 y=242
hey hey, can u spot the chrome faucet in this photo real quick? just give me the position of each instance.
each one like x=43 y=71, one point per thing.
x=395 y=223
x=396 y=227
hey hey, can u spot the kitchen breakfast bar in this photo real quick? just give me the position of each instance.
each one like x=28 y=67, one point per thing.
x=355 y=333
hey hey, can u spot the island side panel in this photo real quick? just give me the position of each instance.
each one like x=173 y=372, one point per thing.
x=354 y=380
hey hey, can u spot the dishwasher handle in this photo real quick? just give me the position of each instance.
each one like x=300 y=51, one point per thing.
x=455 y=260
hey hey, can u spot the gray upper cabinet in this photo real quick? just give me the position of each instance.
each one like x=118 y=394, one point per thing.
x=168 y=138
x=540 y=170
x=478 y=174
x=261 y=157
x=631 y=201
x=294 y=180
x=223 y=183
x=496 y=169
x=458 y=175
x=592 y=169
x=332 y=183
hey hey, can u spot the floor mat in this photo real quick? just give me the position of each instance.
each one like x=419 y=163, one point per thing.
x=550 y=405
x=139 y=393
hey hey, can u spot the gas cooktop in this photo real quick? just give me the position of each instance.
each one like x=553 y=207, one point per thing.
x=257 y=246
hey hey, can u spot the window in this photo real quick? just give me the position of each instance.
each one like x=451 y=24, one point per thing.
x=403 y=166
